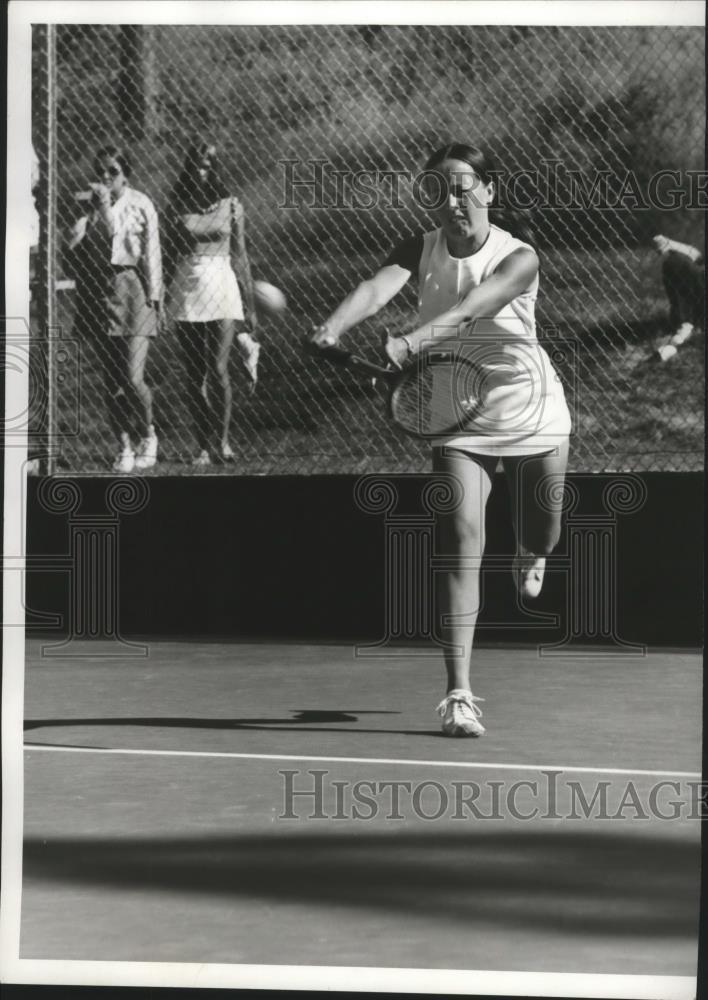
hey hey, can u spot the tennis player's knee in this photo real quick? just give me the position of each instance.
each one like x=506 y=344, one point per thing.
x=465 y=534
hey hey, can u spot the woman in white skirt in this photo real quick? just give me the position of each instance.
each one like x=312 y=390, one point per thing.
x=204 y=299
x=477 y=286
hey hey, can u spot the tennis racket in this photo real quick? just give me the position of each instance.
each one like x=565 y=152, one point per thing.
x=438 y=393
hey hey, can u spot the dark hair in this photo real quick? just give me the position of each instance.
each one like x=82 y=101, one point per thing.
x=113 y=153
x=512 y=220
x=477 y=158
x=189 y=194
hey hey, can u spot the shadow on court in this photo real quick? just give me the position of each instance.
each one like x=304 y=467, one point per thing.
x=604 y=883
x=316 y=718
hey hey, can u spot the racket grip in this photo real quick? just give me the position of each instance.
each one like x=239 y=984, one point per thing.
x=310 y=347
x=329 y=351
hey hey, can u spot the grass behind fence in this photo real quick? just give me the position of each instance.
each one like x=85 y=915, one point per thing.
x=381 y=97
x=293 y=424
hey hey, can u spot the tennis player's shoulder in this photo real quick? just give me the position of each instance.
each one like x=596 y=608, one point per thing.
x=504 y=245
x=407 y=253
x=504 y=241
x=508 y=252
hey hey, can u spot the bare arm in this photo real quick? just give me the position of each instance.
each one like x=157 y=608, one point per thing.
x=239 y=259
x=209 y=225
x=86 y=229
x=152 y=254
x=76 y=233
x=365 y=301
x=98 y=213
x=513 y=275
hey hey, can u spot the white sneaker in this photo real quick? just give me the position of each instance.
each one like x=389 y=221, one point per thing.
x=460 y=714
x=202 y=459
x=125 y=462
x=684 y=332
x=528 y=571
x=147 y=451
x=667 y=351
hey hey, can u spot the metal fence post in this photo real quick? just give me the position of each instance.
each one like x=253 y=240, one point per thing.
x=46 y=139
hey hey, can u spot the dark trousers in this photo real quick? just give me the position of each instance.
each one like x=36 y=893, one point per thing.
x=685 y=289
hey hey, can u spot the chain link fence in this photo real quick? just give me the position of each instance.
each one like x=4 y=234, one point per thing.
x=320 y=133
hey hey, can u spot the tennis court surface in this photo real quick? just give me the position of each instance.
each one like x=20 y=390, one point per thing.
x=156 y=797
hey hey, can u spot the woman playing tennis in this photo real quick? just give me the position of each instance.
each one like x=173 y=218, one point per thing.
x=477 y=287
x=204 y=297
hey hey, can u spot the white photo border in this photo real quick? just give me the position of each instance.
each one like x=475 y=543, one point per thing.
x=22 y=14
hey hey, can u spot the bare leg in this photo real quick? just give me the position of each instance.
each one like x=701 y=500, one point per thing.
x=193 y=343
x=221 y=338
x=536 y=488
x=461 y=536
x=136 y=358
x=112 y=355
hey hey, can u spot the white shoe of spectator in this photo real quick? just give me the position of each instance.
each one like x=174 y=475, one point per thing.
x=666 y=352
x=147 y=450
x=125 y=462
x=202 y=459
x=684 y=333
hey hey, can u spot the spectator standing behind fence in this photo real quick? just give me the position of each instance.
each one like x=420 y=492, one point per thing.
x=114 y=254
x=204 y=299
x=682 y=270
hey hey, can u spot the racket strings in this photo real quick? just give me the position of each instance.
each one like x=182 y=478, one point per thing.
x=436 y=398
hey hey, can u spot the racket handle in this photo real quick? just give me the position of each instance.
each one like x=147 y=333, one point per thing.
x=340 y=356
x=316 y=350
x=361 y=364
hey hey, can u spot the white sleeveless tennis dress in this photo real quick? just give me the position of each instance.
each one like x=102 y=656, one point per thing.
x=522 y=407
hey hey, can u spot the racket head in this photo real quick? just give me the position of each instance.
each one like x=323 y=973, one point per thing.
x=438 y=395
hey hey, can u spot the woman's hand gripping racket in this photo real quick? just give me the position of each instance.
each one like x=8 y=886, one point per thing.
x=435 y=394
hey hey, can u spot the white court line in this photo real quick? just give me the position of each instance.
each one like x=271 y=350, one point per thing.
x=482 y=765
